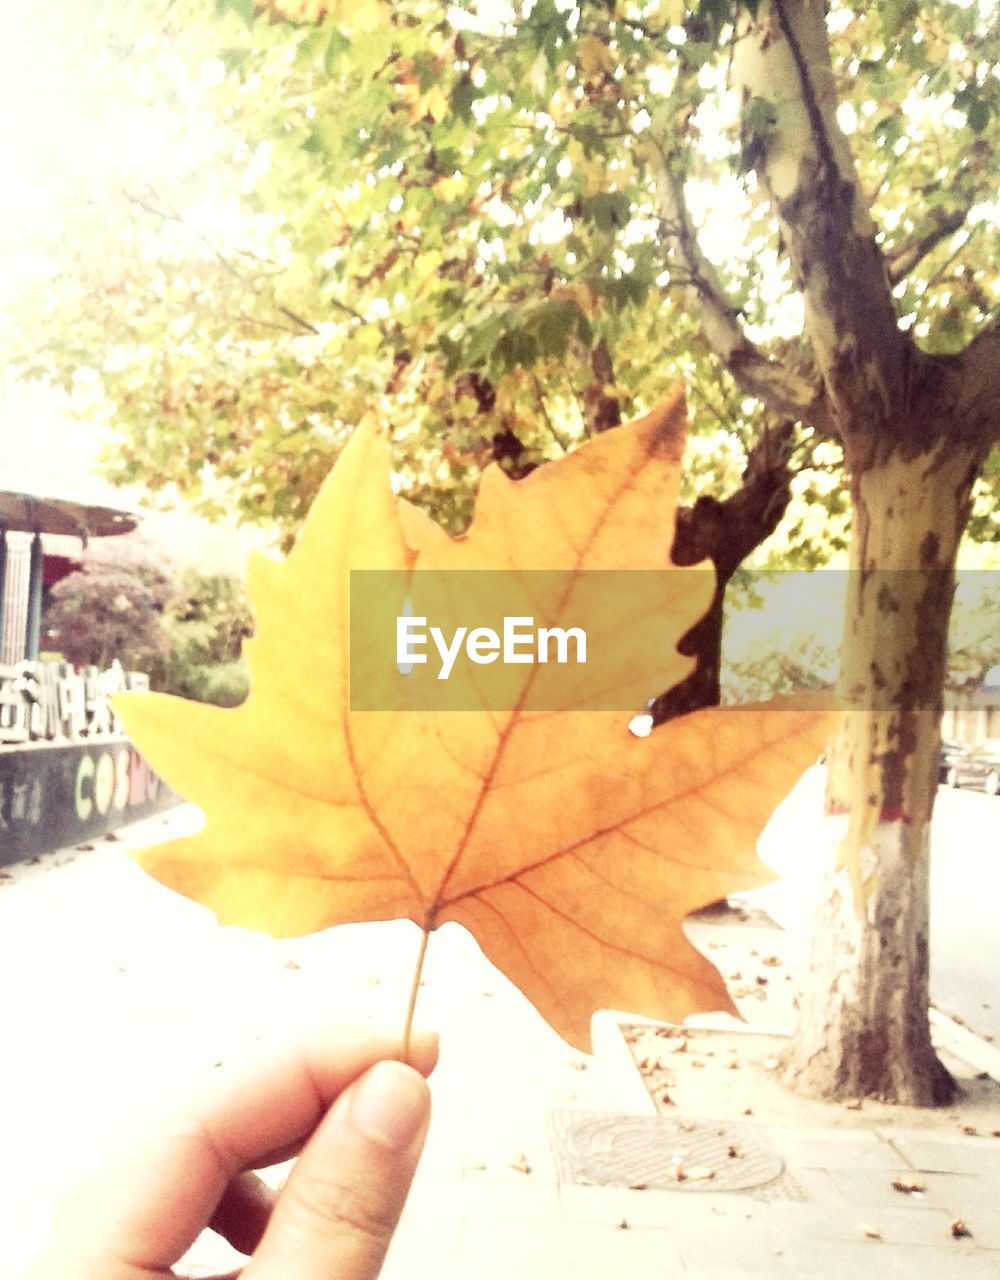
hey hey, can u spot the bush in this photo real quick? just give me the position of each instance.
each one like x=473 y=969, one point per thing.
x=183 y=627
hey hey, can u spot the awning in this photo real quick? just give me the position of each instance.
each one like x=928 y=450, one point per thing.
x=32 y=513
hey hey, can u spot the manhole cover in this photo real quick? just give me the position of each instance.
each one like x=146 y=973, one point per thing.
x=658 y=1151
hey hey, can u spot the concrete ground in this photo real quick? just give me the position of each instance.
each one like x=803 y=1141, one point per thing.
x=120 y=998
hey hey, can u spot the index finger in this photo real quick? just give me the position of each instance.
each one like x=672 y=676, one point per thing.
x=152 y=1207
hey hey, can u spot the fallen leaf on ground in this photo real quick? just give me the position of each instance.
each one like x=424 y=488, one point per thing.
x=871 y=1232
x=571 y=849
x=959 y=1229
x=521 y=1164
x=907 y=1184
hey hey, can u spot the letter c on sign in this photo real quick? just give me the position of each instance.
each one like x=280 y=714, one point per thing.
x=84 y=775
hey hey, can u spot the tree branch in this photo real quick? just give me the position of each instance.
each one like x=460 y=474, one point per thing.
x=907 y=256
x=601 y=407
x=725 y=531
x=979 y=363
x=784 y=72
x=781 y=389
x=546 y=416
x=304 y=325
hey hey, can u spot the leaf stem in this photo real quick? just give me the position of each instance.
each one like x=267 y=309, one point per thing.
x=414 y=989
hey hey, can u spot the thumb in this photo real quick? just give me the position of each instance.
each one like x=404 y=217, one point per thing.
x=336 y=1215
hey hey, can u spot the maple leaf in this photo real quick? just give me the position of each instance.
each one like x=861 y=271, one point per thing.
x=571 y=849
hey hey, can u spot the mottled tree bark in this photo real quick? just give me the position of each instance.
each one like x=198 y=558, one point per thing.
x=863 y=1028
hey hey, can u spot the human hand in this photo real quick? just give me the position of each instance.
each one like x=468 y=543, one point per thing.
x=357 y=1120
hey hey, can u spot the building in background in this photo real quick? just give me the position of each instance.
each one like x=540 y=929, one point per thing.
x=51 y=504
x=67 y=773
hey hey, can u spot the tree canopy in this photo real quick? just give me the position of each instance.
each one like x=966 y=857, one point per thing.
x=495 y=227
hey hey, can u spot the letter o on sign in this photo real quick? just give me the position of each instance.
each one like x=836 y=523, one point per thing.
x=120 y=799
x=104 y=782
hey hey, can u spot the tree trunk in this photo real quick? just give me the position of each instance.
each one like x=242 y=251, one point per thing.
x=863 y=1025
x=725 y=531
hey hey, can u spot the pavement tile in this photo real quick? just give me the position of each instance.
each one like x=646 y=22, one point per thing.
x=963 y=1194
x=508 y=1155
x=526 y=1269
x=822 y=1191
x=594 y=1249
x=653 y=1208
x=432 y=1228
x=833 y=1149
x=829 y=1260
x=947 y=1155
x=985 y=1225
x=734 y=1249
x=873 y=1188
x=827 y=1221
x=525 y=1201
x=903 y=1226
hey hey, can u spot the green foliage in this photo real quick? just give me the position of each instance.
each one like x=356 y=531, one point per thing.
x=783 y=632
x=984 y=522
x=209 y=617
x=974 y=638
x=185 y=629
x=224 y=685
x=206 y=623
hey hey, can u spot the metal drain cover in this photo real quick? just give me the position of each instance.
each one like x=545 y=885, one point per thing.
x=657 y=1151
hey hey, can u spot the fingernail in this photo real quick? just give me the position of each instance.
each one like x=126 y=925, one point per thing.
x=389 y=1104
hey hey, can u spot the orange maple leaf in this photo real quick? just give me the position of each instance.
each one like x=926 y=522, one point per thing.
x=569 y=848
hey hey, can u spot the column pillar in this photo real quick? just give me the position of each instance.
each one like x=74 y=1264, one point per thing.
x=33 y=626
x=3 y=591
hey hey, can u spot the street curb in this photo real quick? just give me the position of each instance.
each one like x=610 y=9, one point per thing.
x=610 y=1045
x=965 y=1044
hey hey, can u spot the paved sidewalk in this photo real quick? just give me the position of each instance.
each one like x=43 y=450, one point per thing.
x=120 y=998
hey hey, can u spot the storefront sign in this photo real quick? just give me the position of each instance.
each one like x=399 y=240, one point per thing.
x=53 y=795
